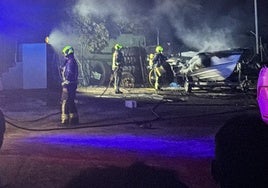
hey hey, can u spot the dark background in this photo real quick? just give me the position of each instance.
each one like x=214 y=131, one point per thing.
x=176 y=21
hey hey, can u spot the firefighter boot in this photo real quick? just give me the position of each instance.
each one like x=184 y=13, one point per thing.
x=64 y=119
x=157 y=86
x=74 y=119
x=117 y=81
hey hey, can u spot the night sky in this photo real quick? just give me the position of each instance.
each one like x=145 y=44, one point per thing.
x=191 y=22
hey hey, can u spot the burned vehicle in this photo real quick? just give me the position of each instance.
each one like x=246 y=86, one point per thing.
x=208 y=70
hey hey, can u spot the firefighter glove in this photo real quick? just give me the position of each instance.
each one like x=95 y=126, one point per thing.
x=65 y=82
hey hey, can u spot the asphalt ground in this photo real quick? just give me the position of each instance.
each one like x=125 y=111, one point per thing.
x=136 y=139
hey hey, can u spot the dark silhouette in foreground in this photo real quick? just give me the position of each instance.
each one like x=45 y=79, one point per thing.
x=137 y=175
x=2 y=131
x=2 y=128
x=241 y=153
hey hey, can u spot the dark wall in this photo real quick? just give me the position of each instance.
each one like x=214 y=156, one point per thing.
x=53 y=72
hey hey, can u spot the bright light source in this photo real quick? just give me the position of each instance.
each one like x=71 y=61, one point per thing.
x=47 y=40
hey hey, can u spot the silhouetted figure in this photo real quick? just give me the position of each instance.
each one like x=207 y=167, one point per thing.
x=161 y=68
x=69 y=72
x=117 y=67
x=241 y=153
x=158 y=61
x=137 y=175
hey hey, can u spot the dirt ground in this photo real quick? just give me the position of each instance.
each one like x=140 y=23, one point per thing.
x=167 y=140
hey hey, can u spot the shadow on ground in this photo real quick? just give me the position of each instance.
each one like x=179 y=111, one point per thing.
x=138 y=175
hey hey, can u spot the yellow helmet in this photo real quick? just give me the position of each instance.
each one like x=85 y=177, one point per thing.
x=118 y=46
x=159 y=49
x=67 y=50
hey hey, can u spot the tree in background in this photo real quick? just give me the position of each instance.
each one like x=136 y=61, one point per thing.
x=91 y=32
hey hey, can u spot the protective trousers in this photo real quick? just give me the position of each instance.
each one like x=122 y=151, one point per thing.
x=157 y=79
x=69 y=113
x=117 y=78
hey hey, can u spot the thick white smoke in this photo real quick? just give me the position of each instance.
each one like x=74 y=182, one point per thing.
x=62 y=37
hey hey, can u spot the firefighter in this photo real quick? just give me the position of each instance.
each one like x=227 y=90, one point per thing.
x=117 y=67
x=159 y=62
x=69 y=73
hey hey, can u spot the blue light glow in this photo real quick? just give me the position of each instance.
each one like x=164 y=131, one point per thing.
x=145 y=145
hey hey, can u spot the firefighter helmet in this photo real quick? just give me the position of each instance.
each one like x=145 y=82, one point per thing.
x=159 y=49
x=67 y=50
x=118 y=46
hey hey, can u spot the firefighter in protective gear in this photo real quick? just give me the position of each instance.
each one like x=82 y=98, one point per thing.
x=69 y=73
x=159 y=62
x=117 y=67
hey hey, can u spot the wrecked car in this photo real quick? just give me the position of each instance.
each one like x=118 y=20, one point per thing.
x=207 y=70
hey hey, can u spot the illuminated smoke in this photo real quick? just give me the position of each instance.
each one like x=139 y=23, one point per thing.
x=199 y=27
x=62 y=37
x=100 y=8
x=197 y=24
x=64 y=34
x=208 y=39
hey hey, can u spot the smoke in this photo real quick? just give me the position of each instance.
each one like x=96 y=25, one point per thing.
x=65 y=34
x=61 y=37
x=117 y=9
x=207 y=38
x=197 y=23
x=200 y=25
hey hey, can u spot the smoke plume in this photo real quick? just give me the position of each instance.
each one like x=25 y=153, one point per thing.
x=199 y=24
x=61 y=37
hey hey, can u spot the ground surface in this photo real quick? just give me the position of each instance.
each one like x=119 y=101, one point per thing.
x=166 y=141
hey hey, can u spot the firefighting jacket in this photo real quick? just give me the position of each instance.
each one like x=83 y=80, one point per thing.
x=118 y=59
x=70 y=71
x=159 y=59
